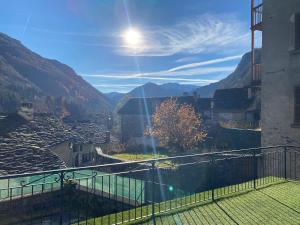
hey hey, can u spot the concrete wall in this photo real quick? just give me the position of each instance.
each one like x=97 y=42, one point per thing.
x=84 y=154
x=74 y=156
x=229 y=116
x=228 y=138
x=281 y=73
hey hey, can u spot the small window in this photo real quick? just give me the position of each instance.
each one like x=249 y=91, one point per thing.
x=297 y=105
x=297 y=31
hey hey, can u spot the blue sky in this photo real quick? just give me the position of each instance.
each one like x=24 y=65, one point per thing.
x=185 y=41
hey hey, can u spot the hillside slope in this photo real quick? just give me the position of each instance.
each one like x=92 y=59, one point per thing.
x=49 y=84
x=241 y=77
x=164 y=90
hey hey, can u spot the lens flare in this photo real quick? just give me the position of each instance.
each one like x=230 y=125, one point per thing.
x=132 y=37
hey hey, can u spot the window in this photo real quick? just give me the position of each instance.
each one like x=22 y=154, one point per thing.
x=297 y=105
x=297 y=31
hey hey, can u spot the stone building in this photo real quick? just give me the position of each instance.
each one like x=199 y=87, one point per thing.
x=136 y=116
x=44 y=143
x=281 y=73
x=94 y=136
x=204 y=106
x=237 y=106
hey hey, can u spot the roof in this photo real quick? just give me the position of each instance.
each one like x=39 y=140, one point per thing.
x=142 y=106
x=204 y=104
x=231 y=99
x=25 y=146
x=90 y=132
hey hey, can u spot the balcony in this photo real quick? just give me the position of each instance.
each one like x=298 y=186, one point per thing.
x=257 y=12
x=263 y=184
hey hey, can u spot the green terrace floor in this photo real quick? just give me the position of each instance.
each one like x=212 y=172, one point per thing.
x=274 y=204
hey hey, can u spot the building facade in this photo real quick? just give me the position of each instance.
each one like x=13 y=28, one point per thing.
x=136 y=116
x=281 y=73
x=237 y=106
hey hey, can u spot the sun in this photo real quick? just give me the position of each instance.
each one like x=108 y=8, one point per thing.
x=132 y=37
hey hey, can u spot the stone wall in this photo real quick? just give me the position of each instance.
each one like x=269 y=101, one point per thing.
x=220 y=138
x=133 y=126
x=280 y=73
x=229 y=116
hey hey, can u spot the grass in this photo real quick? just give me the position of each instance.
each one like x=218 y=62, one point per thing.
x=137 y=156
x=145 y=156
x=278 y=203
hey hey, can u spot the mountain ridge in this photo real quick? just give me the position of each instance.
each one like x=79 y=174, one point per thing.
x=241 y=77
x=51 y=85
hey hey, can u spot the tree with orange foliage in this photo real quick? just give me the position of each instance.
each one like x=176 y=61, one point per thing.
x=176 y=126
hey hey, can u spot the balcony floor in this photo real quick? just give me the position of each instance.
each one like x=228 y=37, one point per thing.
x=276 y=204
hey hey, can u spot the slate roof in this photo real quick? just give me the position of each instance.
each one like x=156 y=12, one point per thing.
x=142 y=106
x=25 y=145
x=234 y=99
x=204 y=104
x=90 y=132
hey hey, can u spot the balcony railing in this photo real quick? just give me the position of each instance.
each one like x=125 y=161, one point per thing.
x=256 y=79
x=129 y=191
x=258 y=17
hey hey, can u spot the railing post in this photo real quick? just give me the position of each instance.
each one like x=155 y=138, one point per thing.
x=254 y=168
x=285 y=152
x=212 y=174
x=153 y=192
x=61 y=179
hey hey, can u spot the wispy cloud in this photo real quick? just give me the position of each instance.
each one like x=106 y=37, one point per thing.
x=204 y=63
x=26 y=24
x=203 y=34
x=188 y=73
x=165 y=74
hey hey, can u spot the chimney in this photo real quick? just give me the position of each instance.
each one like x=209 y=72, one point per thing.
x=26 y=110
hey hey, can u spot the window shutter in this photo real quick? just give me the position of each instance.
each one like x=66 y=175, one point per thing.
x=297 y=105
x=297 y=31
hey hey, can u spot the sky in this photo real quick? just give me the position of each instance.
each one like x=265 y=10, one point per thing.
x=117 y=45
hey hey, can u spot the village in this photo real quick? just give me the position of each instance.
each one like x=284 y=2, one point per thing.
x=229 y=158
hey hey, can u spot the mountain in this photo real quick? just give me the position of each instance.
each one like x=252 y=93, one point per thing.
x=241 y=77
x=114 y=97
x=51 y=86
x=164 y=90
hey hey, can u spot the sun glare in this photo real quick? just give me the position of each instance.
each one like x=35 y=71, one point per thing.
x=132 y=37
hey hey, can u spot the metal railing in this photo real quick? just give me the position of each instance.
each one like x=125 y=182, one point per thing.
x=256 y=72
x=258 y=16
x=122 y=192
